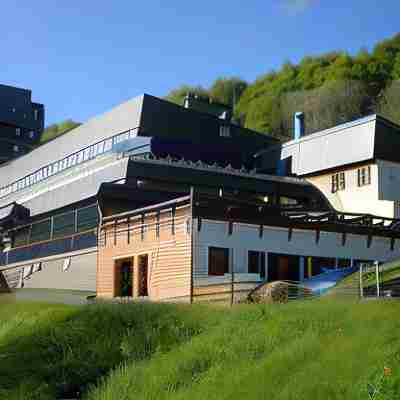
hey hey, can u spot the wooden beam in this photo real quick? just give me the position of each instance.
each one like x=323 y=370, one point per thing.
x=173 y=212
x=198 y=224
x=142 y=226
x=115 y=231
x=158 y=224
x=129 y=230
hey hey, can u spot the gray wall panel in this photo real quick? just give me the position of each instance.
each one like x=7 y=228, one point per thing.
x=81 y=274
x=121 y=118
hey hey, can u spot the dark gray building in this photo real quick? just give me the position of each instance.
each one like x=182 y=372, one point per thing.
x=21 y=122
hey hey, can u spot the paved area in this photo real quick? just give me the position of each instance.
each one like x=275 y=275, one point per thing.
x=46 y=295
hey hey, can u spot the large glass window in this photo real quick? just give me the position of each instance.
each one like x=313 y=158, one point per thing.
x=41 y=231
x=64 y=225
x=218 y=261
x=87 y=218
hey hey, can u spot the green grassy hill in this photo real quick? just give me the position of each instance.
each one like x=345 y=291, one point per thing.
x=320 y=349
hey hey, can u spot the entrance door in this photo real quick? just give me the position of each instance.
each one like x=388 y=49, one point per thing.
x=283 y=268
x=143 y=264
x=124 y=278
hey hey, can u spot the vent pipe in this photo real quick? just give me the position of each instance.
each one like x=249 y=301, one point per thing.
x=298 y=125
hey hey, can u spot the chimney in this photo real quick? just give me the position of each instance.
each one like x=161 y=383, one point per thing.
x=298 y=125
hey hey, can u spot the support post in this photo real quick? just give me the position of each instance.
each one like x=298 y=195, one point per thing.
x=191 y=245
x=361 y=282
x=115 y=232
x=377 y=278
x=309 y=267
x=301 y=268
x=232 y=277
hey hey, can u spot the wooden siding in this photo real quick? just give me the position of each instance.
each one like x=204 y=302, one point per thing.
x=169 y=254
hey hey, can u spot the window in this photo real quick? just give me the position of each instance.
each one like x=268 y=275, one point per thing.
x=17 y=131
x=16 y=148
x=87 y=218
x=218 y=261
x=41 y=231
x=256 y=263
x=338 y=182
x=224 y=131
x=64 y=225
x=32 y=135
x=36 y=114
x=364 y=176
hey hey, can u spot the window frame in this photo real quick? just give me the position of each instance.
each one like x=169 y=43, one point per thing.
x=216 y=270
x=364 y=176
x=338 y=182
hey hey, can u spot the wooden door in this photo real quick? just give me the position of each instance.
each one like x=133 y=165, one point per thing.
x=143 y=266
x=283 y=268
x=123 y=281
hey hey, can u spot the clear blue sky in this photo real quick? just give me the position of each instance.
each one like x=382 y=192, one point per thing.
x=83 y=57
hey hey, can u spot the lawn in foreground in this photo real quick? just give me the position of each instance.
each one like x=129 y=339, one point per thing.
x=311 y=350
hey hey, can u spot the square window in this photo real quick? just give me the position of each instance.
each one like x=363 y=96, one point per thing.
x=218 y=261
x=17 y=131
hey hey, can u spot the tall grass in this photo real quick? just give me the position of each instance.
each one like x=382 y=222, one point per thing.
x=312 y=350
x=50 y=350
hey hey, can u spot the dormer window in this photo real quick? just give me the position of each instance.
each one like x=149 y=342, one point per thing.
x=225 y=131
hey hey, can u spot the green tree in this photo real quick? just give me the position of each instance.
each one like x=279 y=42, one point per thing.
x=178 y=95
x=388 y=104
x=227 y=90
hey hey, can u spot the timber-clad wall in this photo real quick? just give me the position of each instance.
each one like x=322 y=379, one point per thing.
x=169 y=253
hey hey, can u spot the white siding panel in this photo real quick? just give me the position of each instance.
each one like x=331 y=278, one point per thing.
x=331 y=148
x=303 y=243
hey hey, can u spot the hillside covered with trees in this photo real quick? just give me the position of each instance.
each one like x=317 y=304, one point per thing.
x=331 y=88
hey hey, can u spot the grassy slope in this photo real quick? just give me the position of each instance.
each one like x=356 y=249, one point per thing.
x=311 y=350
